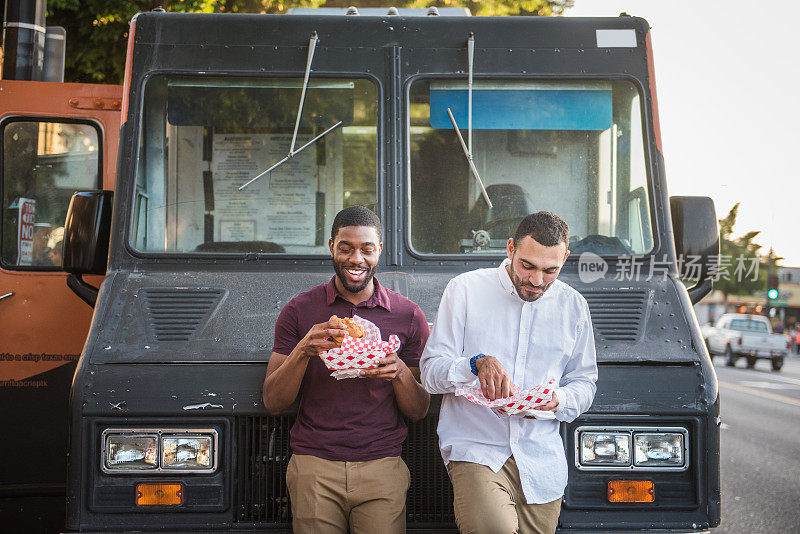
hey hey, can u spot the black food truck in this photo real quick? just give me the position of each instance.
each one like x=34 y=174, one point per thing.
x=244 y=135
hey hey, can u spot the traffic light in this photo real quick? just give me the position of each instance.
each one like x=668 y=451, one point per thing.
x=772 y=287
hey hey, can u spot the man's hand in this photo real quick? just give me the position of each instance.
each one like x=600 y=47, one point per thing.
x=320 y=338
x=494 y=380
x=550 y=406
x=390 y=368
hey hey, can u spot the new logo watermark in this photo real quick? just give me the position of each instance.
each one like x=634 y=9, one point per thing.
x=591 y=267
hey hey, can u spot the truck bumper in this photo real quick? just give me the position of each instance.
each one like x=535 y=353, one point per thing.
x=761 y=355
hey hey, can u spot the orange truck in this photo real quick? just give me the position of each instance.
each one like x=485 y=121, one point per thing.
x=57 y=138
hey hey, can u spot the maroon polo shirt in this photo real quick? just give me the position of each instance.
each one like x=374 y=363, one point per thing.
x=354 y=419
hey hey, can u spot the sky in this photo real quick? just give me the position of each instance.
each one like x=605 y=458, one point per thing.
x=727 y=77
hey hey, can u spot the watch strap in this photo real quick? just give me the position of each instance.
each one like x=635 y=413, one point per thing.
x=472 y=363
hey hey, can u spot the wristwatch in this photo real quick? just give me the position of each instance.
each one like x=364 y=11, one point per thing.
x=472 y=365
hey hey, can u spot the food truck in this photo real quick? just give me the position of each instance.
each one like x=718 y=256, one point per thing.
x=57 y=138
x=243 y=136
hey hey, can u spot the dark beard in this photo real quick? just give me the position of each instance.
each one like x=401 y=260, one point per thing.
x=518 y=285
x=338 y=268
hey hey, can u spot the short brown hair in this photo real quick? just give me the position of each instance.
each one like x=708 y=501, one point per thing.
x=546 y=228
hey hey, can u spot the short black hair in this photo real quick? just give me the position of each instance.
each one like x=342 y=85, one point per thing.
x=546 y=228
x=356 y=216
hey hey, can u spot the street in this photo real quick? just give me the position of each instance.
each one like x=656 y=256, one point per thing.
x=760 y=457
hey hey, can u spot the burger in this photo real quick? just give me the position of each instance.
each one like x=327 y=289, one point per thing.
x=353 y=328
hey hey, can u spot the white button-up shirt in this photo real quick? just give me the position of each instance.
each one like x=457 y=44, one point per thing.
x=551 y=337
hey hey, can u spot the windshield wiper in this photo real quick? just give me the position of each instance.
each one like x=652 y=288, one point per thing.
x=292 y=154
x=469 y=159
x=312 y=45
x=470 y=60
x=468 y=146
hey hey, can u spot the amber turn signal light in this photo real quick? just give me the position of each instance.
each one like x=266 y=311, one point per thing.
x=631 y=491
x=159 y=494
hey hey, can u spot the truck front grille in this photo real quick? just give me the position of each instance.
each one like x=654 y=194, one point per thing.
x=263 y=452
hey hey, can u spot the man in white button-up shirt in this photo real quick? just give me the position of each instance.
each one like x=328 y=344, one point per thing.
x=512 y=325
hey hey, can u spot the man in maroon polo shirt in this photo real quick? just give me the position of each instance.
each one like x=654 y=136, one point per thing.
x=346 y=473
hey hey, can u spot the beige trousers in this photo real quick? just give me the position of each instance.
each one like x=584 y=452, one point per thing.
x=486 y=502
x=338 y=497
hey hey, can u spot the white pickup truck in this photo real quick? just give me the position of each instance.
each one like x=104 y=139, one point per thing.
x=737 y=335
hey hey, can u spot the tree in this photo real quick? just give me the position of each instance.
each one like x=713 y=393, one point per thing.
x=742 y=250
x=97 y=30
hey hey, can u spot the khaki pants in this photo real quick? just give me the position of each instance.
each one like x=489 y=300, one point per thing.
x=337 y=497
x=486 y=502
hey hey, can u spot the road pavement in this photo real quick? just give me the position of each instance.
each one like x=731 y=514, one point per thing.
x=760 y=456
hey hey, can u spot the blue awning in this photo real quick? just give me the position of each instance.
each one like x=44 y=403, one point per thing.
x=523 y=108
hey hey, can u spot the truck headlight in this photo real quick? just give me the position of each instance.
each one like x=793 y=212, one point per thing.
x=631 y=448
x=605 y=448
x=158 y=450
x=130 y=452
x=658 y=449
x=187 y=452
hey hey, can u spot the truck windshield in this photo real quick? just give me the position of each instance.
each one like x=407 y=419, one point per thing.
x=571 y=147
x=747 y=325
x=203 y=138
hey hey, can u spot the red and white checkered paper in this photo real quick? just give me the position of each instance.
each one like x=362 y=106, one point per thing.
x=521 y=402
x=356 y=354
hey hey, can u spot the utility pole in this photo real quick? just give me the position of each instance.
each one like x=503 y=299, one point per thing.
x=24 y=39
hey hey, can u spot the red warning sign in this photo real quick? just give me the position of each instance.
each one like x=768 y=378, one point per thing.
x=27 y=215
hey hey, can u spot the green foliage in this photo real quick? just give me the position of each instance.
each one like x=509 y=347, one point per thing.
x=97 y=33
x=498 y=7
x=97 y=30
x=739 y=247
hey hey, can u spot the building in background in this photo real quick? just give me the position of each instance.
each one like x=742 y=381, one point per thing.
x=786 y=307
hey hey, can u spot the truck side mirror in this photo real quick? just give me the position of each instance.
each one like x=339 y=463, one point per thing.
x=694 y=225
x=86 y=235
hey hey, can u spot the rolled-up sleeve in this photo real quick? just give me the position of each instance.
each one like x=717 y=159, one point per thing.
x=443 y=366
x=578 y=383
